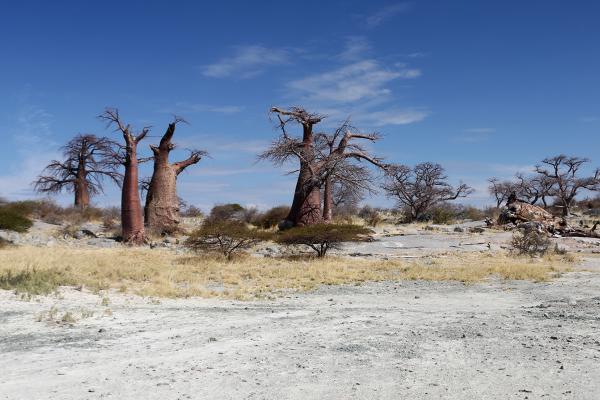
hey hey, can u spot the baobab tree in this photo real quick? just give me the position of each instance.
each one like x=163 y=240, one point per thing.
x=534 y=188
x=526 y=188
x=562 y=171
x=162 y=203
x=306 y=205
x=421 y=188
x=343 y=196
x=132 y=220
x=315 y=164
x=87 y=161
x=501 y=190
x=343 y=179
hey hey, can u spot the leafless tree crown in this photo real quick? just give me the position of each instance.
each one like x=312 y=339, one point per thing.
x=422 y=187
x=86 y=157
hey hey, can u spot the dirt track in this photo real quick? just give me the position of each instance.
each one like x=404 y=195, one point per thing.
x=417 y=340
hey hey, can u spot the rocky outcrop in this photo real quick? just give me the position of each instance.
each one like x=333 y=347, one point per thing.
x=528 y=217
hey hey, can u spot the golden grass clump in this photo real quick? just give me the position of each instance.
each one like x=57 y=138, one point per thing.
x=164 y=274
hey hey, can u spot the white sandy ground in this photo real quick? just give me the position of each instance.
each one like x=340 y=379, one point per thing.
x=409 y=340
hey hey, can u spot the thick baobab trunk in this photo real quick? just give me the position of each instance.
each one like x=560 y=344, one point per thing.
x=131 y=207
x=328 y=201
x=132 y=219
x=82 y=192
x=162 y=202
x=306 y=205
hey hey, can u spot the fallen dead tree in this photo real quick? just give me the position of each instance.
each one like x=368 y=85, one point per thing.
x=524 y=216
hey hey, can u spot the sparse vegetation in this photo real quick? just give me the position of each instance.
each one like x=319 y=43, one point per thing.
x=530 y=243
x=322 y=237
x=164 y=274
x=226 y=237
x=34 y=280
x=12 y=220
x=4 y=243
x=226 y=212
x=370 y=215
x=271 y=217
x=420 y=188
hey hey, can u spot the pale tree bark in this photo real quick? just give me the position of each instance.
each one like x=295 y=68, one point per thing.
x=328 y=200
x=162 y=202
x=132 y=219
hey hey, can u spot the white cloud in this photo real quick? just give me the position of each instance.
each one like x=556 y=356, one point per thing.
x=384 y=14
x=33 y=140
x=393 y=117
x=246 y=62
x=357 y=81
x=183 y=107
x=356 y=47
x=511 y=169
x=245 y=146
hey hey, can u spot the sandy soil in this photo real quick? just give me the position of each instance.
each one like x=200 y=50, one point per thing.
x=414 y=340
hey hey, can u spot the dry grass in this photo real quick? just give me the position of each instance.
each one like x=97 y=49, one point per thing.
x=164 y=274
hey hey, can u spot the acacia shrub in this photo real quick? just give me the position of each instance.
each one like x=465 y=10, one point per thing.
x=226 y=212
x=225 y=237
x=12 y=220
x=271 y=217
x=530 y=242
x=322 y=237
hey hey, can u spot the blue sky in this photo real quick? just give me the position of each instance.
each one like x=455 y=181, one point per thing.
x=484 y=88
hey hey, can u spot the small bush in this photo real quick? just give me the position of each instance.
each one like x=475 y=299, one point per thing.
x=13 y=221
x=371 y=216
x=34 y=281
x=442 y=215
x=322 y=237
x=192 y=212
x=226 y=212
x=271 y=217
x=531 y=243
x=226 y=237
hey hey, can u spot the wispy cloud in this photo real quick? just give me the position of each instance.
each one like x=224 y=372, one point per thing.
x=245 y=146
x=394 y=116
x=246 y=62
x=185 y=108
x=588 y=119
x=356 y=48
x=386 y=13
x=33 y=141
x=359 y=80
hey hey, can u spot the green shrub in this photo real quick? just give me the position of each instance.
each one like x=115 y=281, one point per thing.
x=226 y=237
x=530 y=242
x=35 y=281
x=442 y=215
x=191 y=211
x=371 y=216
x=13 y=221
x=271 y=217
x=322 y=237
x=226 y=212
